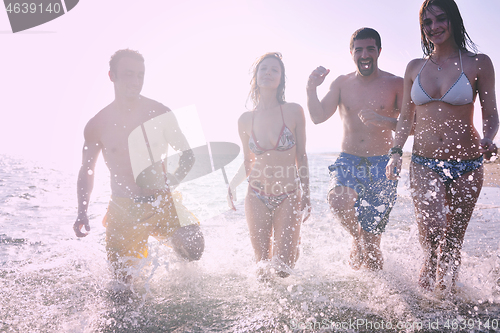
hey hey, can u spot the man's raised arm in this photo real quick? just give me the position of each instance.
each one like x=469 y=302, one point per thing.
x=321 y=111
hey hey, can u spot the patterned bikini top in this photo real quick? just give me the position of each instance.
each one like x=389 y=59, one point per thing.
x=286 y=139
x=460 y=93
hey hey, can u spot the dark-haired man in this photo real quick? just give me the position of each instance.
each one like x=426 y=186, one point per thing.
x=368 y=101
x=130 y=132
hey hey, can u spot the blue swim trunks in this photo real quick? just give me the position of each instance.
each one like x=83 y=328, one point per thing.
x=376 y=193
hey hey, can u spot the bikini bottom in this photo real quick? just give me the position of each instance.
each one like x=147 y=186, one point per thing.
x=272 y=201
x=448 y=170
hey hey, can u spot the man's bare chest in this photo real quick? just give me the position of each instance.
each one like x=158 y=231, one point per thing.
x=355 y=99
x=115 y=134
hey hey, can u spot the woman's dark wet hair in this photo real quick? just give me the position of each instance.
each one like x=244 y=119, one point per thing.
x=125 y=53
x=365 y=33
x=455 y=21
x=254 y=94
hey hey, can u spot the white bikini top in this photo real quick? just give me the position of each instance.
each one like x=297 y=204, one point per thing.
x=460 y=93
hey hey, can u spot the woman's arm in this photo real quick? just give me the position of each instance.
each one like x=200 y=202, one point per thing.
x=405 y=123
x=486 y=91
x=302 y=163
x=249 y=159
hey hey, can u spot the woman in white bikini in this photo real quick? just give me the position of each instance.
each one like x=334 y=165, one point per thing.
x=446 y=171
x=274 y=145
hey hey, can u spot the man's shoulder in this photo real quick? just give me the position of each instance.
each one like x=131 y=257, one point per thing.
x=100 y=117
x=388 y=75
x=94 y=126
x=151 y=104
x=106 y=110
x=391 y=79
x=343 y=80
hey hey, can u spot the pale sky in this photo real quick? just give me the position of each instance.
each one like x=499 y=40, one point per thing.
x=54 y=76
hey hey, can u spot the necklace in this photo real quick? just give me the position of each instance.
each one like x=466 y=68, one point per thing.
x=440 y=66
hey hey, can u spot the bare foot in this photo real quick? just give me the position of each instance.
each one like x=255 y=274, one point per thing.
x=264 y=271
x=356 y=256
x=441 y=292
x=427 y=276
x=445 y=284
x=280 y=268
x=447 y=272
x=373 y=260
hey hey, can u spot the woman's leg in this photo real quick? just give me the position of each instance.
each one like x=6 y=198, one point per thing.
x=429 y=199
x=259 y=220
x=462 y=196
x=287 y=220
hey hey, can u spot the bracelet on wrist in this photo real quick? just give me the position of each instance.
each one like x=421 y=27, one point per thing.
x=396 y=150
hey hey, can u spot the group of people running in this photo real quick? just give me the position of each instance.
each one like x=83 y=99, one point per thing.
x=434 y=103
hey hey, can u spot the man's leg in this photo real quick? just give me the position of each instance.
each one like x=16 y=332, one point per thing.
x=378 y=198
x=341 y=200
x=125 y=246
x=372 y=256
x=188 y=242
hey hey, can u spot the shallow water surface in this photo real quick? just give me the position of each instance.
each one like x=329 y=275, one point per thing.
x=51 y=281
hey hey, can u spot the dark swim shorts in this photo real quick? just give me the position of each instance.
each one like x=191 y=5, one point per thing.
x=376 y=193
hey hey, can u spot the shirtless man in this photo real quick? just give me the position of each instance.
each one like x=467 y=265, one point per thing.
x=135 y=212
x=369 y=101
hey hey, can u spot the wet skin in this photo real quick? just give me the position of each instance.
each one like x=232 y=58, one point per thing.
x=368 y=102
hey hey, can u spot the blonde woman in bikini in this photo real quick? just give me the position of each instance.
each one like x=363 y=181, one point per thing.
x=447 y=162
x=275 y=162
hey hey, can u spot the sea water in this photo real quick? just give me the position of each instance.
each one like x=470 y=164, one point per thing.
x=50 y=281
